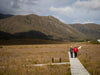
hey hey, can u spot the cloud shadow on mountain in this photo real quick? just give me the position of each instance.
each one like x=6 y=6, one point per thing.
x=31 y=37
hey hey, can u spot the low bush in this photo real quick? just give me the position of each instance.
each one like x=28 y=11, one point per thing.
x=1 y=47
x=77 y=40
x=95 y=42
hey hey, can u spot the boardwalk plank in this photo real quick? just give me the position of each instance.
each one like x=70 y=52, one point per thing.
x=76 y=67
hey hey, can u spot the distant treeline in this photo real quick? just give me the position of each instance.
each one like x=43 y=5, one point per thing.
x=95 y=42
x=27 y=41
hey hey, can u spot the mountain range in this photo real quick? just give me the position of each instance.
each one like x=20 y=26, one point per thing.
x=45 y=27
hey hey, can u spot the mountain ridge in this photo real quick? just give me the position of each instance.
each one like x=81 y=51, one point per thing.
x=91 y=30
x=48 y=25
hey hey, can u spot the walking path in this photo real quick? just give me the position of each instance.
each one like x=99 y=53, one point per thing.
x=76 y=67
x=62 y=63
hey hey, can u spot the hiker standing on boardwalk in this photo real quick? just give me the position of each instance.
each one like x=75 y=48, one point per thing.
x=71 y=51
x=75 y=51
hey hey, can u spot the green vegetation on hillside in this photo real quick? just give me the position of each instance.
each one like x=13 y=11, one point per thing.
x=95 y=42
x=1 y=47
x=27 y=41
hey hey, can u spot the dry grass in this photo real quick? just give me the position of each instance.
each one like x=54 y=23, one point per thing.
x=12 y=58
x=45 y=70
x=89 y=55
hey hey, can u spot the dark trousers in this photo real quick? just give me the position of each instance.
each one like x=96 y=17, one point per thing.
x=71 y=54
x=75 y=53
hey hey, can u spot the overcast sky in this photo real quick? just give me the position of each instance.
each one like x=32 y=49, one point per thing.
x=68 y=11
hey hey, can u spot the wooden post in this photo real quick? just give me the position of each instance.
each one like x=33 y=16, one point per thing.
x=52 y=60
x=60 y=60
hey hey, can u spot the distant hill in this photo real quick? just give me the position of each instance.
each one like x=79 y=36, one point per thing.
x=45 y=27
x=3 y=16
x=91 y=30
x=42 y=27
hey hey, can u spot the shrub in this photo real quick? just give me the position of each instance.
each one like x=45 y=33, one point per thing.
x=1 y=47
x=77 y=40
x=95 y=42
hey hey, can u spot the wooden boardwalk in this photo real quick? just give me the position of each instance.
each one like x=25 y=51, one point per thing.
x=76 y=67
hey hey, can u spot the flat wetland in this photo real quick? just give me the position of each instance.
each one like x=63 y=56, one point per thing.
x=14 y=58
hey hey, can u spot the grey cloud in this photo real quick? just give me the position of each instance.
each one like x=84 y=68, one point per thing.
x=83 y=14
x=18 y=6
x=39 y=7
x=30 y=6
x=15 y=4
x=81 y=10
x=90 y=4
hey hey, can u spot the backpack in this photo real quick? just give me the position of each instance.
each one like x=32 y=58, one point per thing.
x=75 y=49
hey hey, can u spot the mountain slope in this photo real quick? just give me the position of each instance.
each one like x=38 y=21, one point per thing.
x=91 y=30
x=49 y=26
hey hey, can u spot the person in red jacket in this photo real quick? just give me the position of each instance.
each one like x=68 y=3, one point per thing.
x=75 y=51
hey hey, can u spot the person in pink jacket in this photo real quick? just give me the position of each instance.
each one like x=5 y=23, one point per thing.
x=75 y=51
